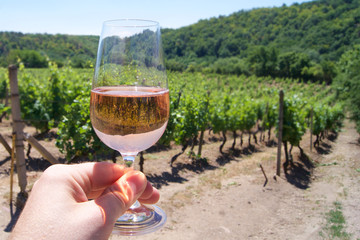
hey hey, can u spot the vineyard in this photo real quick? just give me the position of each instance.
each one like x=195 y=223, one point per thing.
x=263 y=136
x=222 y=130
x=246 y=108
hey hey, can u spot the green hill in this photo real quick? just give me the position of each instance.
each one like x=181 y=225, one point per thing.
x=325 y=28
x=298 y=41
x=34 y=48
x=268 y=41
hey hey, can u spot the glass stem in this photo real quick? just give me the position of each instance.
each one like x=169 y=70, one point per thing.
x=129 y=160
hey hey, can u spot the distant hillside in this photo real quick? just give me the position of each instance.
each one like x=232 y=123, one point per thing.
x=80 y=49
x=258 y=40
x=326 y=27
x=299 y=41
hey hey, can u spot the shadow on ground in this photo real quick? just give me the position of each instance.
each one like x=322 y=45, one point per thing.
x=163 y=179
x=197 y=166
x=299 y=173
x=15 y=210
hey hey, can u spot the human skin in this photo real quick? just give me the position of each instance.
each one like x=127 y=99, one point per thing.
x=59 y=206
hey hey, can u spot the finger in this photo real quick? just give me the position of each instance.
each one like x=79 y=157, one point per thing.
x=97 y=189
x=150 y=195
x=153 y=199
x=121 y=195
x=101 y=174
x=93 y=178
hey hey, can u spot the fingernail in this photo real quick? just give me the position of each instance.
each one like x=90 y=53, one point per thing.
x=136 y=182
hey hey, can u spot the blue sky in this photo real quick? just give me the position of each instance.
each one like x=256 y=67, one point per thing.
x=81 y=17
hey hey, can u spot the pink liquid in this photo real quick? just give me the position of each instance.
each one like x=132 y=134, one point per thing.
x=129 y=119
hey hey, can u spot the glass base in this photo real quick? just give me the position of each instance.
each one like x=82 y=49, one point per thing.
x=139 y=220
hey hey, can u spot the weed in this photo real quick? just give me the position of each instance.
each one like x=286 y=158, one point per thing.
x=335 y=224
x=232 y=184
x=328 y=164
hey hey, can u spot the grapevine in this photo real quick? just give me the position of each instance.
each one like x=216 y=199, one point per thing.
x=58 y=97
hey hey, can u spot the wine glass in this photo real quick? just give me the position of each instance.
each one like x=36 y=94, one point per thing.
x=129 y=105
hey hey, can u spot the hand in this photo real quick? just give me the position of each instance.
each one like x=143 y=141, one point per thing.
x=59 y=206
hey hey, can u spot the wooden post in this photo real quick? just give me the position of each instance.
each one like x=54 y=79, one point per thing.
x=281 y=113
x=311 y=127
x=35 y=144
x=201 y=142
x=18 y=127
x=6 y=145
x=12 y=167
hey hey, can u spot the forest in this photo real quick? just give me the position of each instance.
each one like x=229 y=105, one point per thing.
x=300 y=41
x=35 y=49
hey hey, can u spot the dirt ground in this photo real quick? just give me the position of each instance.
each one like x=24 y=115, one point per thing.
x=229 y=197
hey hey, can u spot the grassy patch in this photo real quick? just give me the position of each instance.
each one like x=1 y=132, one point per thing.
x=335 y=224
x=328 y=164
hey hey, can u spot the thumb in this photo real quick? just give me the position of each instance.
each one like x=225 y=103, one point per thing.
x=121 y=195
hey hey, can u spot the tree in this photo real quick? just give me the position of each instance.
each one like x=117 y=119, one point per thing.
x=263 y=61
x=291 y=64
x=30 y=58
